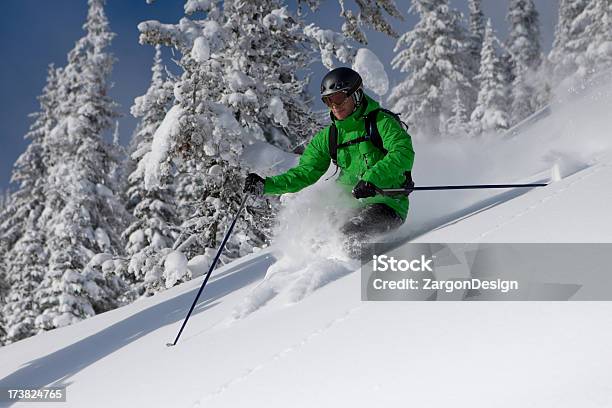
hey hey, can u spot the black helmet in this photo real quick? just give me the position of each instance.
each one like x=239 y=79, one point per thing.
x=340 y=79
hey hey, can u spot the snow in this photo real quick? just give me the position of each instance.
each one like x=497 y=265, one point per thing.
x=151 y=164
x=102 y=238
x=213 y=32
x=277 y=111
x=63 y=320
x=286 y=327
x=200 y=264
x=99 y=259
x=137 y=237
x=276 y=18
x=175 y=268
x=569 y=210
x=267 y=160
x=201 y=50
x=215 y=170
x=159 y=241
x=193 y=6
x=238 y=81
x=331 y=44
x=372 y=71
x=102 y=190
x=308 y=248
x=241 y=98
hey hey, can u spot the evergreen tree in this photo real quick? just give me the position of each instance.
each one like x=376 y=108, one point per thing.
x=253 y=51
x=599 y=34
x=3 y=293
x=524 y=46
x=491 y=109
x=84 y=215
x=566 y=49
x=25 y=269
x=477 y=32
x=23 y=246
x=3 y=260
x=231 y=92
x=371 y=14
x=287 y=119
x=4 y=198
x=457 y=125
x=154 y=213
x=119 y=157
x=433 y=56
x=584 y=46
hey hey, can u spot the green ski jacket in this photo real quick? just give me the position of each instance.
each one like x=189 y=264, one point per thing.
x=362 y=161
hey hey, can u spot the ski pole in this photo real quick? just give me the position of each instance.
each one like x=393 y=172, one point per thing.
x=212 y=266
x=460 y=187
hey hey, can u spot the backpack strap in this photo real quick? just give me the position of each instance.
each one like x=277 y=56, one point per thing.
x=354 y=141
x=333 y=143
x=372 y=134
x=372 y=128
x=376 y=139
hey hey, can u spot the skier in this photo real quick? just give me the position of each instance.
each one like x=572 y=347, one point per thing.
x=369 y=146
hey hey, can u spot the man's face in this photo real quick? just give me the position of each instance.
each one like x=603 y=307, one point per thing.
x=342 y=109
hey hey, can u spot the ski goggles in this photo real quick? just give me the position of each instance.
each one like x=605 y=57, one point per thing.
x=335 y=99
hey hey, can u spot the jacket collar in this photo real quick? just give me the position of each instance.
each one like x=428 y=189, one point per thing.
x=354 y=120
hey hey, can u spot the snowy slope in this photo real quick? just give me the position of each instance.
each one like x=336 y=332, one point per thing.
x=307 y=339
x=575 y=209
x=331 y=349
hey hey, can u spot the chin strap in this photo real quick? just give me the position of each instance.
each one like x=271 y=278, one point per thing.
x=357 y=98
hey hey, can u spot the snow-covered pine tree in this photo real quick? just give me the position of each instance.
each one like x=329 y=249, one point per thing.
x=476 y=27
x=524 y=34
x=491 y=109
x=371 y=14
x=585 y=46
x=4 y=287
x=260 y=47
x=25 y=269
x=82 y=216
x=4 y=197
x=599 y=32
x=3 y=281
x=118 y=154
x=23 y=247
x=567 y=48
x=434 y=57
x=265 y=49
x=477 y=32
x=155 y=221
x=225 y=99
x=458 y=124
x=524 y=46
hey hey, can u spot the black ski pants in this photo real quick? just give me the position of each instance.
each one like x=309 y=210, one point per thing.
x=367 y=223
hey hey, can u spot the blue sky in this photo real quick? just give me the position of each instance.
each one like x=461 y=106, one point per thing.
x=35 y=33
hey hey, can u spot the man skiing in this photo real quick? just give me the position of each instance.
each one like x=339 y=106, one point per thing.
x=369 y=146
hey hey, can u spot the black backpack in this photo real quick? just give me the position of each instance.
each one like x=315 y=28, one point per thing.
x=372 y=135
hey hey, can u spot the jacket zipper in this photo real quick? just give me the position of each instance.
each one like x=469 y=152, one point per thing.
x=366 y=161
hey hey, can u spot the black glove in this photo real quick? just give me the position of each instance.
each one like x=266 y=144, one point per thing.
x=364 y=189
x=254 y=184
x=408 y=184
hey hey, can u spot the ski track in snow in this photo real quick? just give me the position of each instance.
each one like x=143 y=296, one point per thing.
x=593 y=170
x=281 y=354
